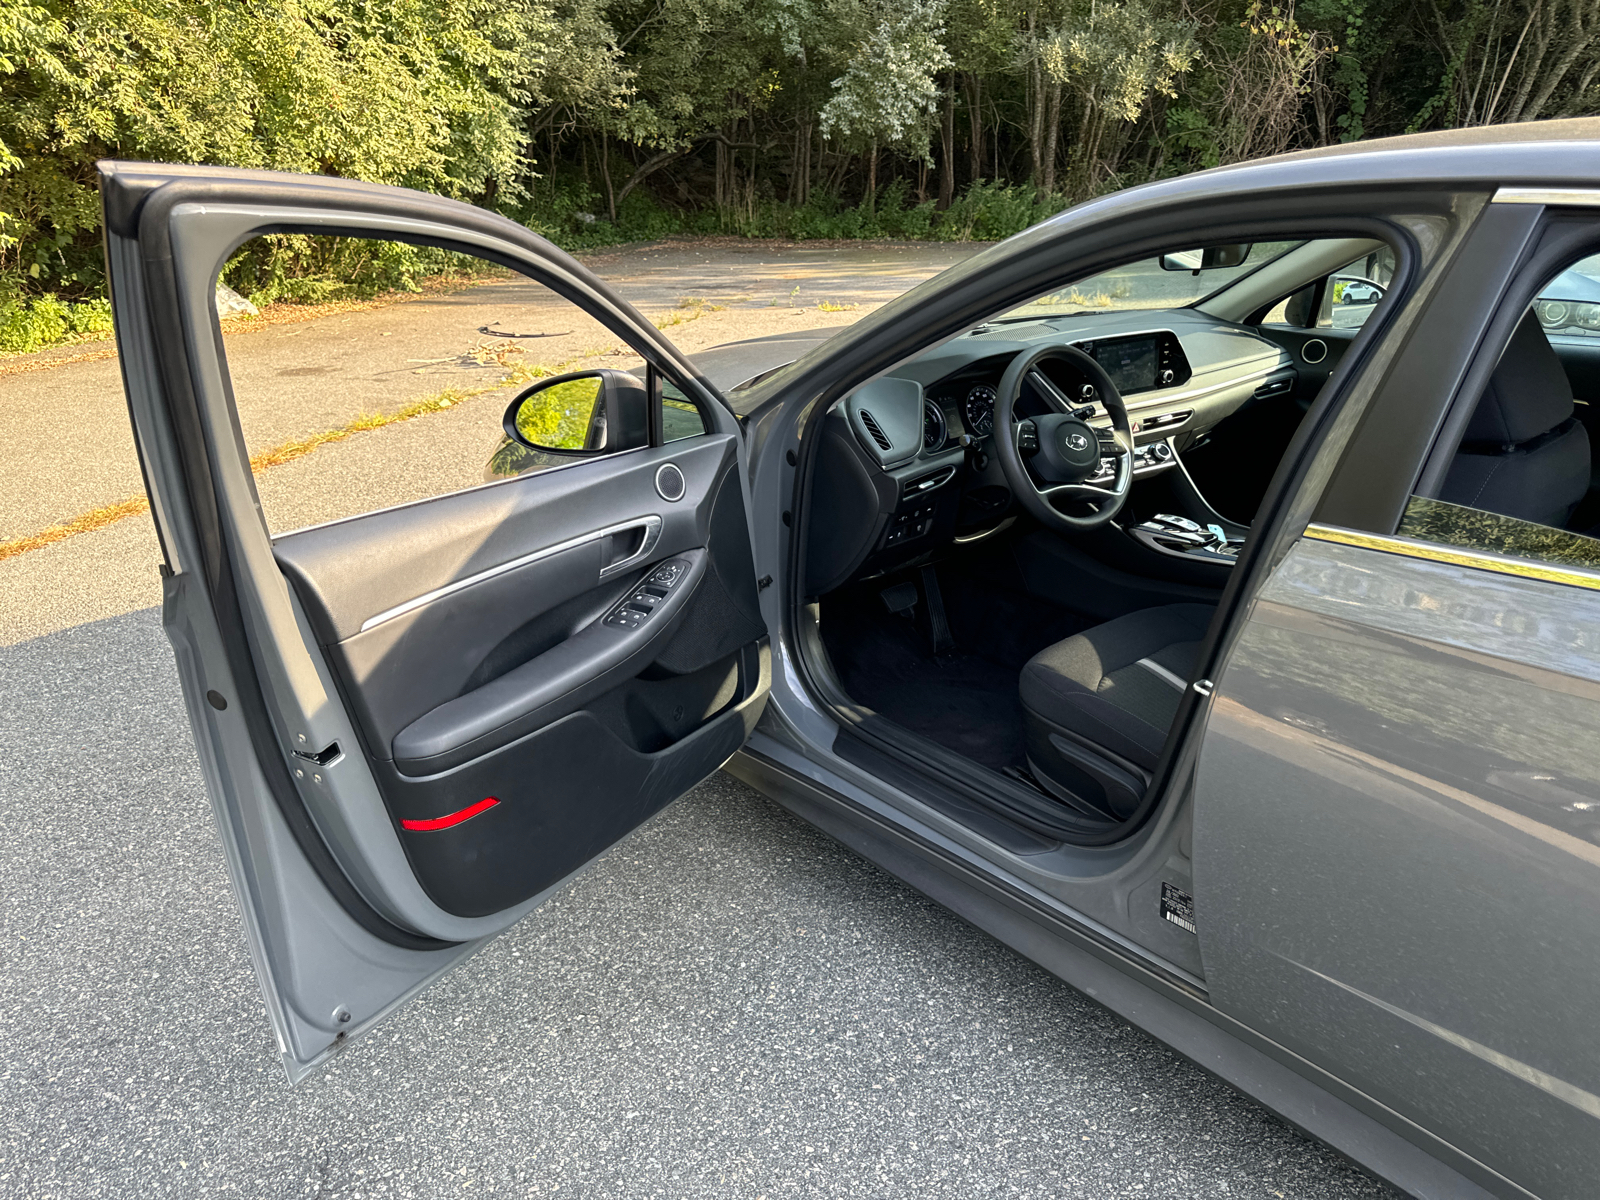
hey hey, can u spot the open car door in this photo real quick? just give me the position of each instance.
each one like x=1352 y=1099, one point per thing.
x=417 y=723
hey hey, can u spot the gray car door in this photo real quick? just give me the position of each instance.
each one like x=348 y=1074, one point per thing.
x=417 y=723
x=1397 y=806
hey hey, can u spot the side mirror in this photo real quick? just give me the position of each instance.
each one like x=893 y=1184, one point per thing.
x=588 y=412
x=1231 y=255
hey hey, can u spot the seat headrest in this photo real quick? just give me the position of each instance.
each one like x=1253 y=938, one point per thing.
x=1528 y=394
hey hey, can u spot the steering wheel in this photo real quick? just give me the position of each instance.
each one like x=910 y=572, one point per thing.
x=1050 y=458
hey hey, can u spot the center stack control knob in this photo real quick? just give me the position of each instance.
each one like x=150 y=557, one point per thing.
x=1162 y=452
x=1167 y=376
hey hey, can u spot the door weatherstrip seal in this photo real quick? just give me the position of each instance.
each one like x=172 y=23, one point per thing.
x=652 y=534
x=1459 y=556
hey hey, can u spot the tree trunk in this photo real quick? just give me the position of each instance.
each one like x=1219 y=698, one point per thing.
x=872 y=174
x=800 y=168
x=947 y=148
x=727 y=165
x=605 y=174
x=1035 y=128
x=1052 y=122
x=975 y=124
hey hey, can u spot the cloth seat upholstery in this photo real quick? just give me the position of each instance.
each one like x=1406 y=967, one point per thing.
x=1118 y=684
x=1524 y=453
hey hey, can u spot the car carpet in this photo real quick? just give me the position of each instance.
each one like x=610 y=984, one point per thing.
x=966 y=700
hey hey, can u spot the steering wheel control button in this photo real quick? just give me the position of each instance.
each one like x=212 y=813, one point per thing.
x=670 y=485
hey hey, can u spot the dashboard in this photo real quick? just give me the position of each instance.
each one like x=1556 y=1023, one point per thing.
x=904 y=467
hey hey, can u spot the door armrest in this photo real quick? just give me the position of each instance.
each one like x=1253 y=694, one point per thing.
x=546 y=688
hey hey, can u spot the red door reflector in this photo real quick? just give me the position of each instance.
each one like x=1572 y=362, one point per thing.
x=455 y=818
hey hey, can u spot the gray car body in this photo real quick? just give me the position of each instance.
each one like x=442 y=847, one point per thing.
x=1396 y=936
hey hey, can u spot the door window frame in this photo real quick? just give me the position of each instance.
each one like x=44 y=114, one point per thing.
x=185 y=229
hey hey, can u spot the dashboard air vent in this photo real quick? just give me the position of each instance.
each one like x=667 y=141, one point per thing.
x=876 y=431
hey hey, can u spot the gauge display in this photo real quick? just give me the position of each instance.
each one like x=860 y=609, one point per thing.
x=933 y=427
x=979 y=411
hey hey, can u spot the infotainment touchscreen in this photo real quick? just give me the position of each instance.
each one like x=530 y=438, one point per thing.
x=1131 y=363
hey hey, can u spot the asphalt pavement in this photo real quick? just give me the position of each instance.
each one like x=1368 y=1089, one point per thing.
x=727 y=1005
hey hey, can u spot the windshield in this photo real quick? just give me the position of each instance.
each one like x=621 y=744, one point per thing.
x=1144 y=284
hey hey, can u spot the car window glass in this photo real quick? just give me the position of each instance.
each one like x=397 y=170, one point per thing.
x=1353 y=291
x=1294 y=310
x=1145 y=284
x=1521 y=479
x=369 y=373
x=1569 y=305
x=679 y=417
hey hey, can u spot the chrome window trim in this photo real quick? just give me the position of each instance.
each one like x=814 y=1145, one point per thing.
x=1526 y=568
x=652 y=533
x=1580 y=197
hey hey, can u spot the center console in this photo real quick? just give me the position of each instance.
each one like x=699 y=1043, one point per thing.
x=1168 y=533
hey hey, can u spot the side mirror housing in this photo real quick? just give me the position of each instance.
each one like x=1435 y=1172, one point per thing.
x=1211 y=257
x=586 y=412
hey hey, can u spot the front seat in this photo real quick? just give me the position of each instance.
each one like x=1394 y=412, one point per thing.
x=1097 y=706
x=1524 y=454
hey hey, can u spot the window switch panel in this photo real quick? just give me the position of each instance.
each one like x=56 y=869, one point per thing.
x=657 y=586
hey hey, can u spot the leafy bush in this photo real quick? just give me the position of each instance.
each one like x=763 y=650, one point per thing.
x=33 y=324
x=988 y=212
x=300 y=269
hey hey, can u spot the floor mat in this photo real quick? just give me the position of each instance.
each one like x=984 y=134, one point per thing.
x=965 y=700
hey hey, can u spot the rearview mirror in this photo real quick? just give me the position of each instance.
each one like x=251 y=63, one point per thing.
x=588 y=412
x=1231 y=255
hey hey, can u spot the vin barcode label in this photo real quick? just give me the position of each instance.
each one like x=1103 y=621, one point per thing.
x=1177 y=906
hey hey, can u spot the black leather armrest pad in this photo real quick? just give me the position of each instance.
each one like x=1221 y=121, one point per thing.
x=544 y=689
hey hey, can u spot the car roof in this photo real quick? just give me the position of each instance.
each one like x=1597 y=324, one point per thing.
x=1560 y=153
x=1575 y=129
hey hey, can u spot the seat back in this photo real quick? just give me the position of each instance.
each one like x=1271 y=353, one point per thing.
x=1524 y=454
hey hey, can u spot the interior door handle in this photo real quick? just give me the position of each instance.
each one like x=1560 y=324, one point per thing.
x=628 y=544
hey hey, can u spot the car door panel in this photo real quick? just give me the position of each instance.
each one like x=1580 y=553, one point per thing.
x=1395 y=846
x=422 y=605
x=1316 y=355
x=467 y=631
x=464 y=631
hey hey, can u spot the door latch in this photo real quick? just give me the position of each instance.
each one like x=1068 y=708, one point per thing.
x=328 y=755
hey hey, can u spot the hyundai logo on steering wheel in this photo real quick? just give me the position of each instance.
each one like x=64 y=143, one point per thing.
x=1076 y=441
